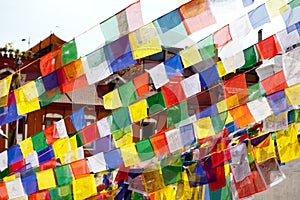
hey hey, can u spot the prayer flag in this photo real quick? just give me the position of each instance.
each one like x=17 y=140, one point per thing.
x=3 y=191
x=292 y=94
x=259 y=108
x=129 y=155
x=173 y=91
x=174 y=140
x=50 y=96
x=112 y=100
x=30 y=183
x=239 y=162
x=103 y=127
x=46 y=154
x=153 y=180
x=207 y=48
x=250 y=57
x=64 y=192
x=3 y=160
x=50 y=81
x=191 y=85
x=78 y=119
x=90 y=133
x=242 y=116
x=84 y=187
x=255 y=91
x=290 y=62
x=69 y=52
x=177 y=113
x=61 y=128
x=115 y=27
x=237 y=86
x=144 y=41
x=160 y=144
x=113 y=159
x=26 y=147
x=291 y=15
x=240 y=27
x=274 y=83
x=39 y=141
x=187 y=135
x=173 y=66
x=97 y=163
x=276 y=7
x=276 y=122
x=247 y=2
x=287 y=144
x=127 y=93
x=209 y=76
x=156 y=103
x=263 y=150
x=51 y=134
x=60 y=147
x=171 y=168
x=169 y=21
x=5 y=85
x=15 y=188
x=14 y=154
x=268 y=47
x=158 y=75
x=80 y=168
x=103 y=144
x=123 y=136
x=51 y=61
x=190 y=56
x=141 y=84
x=203 y=128
x=222 y=36
x=120 y=119
x=145 y=149
x=32 y=159
x=45 y=179
x=234 y=62
x=95 y=66
x=288 y=37
x=138 y=111
x=134 y=16
x=40 y=195
x=259 y=16
x=278 y=102
x=73 y=70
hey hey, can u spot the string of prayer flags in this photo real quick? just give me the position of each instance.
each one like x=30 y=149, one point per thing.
x=196 y=15
x=84 y=187
x=287 y=144
x=78 y=119
x=141 y=84
x=119 y=54
x=95 y=66
x=138 y=111
x=222 y=36
x=51 y=61
x=190 y=56
x=112 y=100
x=259 y=16
x=158 y=75
x=144 y=41
x=170 y=28
x=134 y=16
x=69 y=52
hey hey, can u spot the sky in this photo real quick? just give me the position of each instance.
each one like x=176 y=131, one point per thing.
x=34 y=20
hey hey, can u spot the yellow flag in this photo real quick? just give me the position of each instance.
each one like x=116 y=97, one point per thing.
x=27 y=100
x=204 y=128
x=292 y=94
x=112 y=100
x=276 y=7
x=73 y=142
x=221 y=69
x=190 y=56
x=265 y=150
x=84 y=187
x=45 y=179
x=129 y=155
x=70 y=156
x=144 y=41
x=123 y=136
x=9 y=178
x=5 y=85
x=222 y=106
x=26 y=147
x=61 y=147
x=138 y=111
x=287 y=143
x=232 y=101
